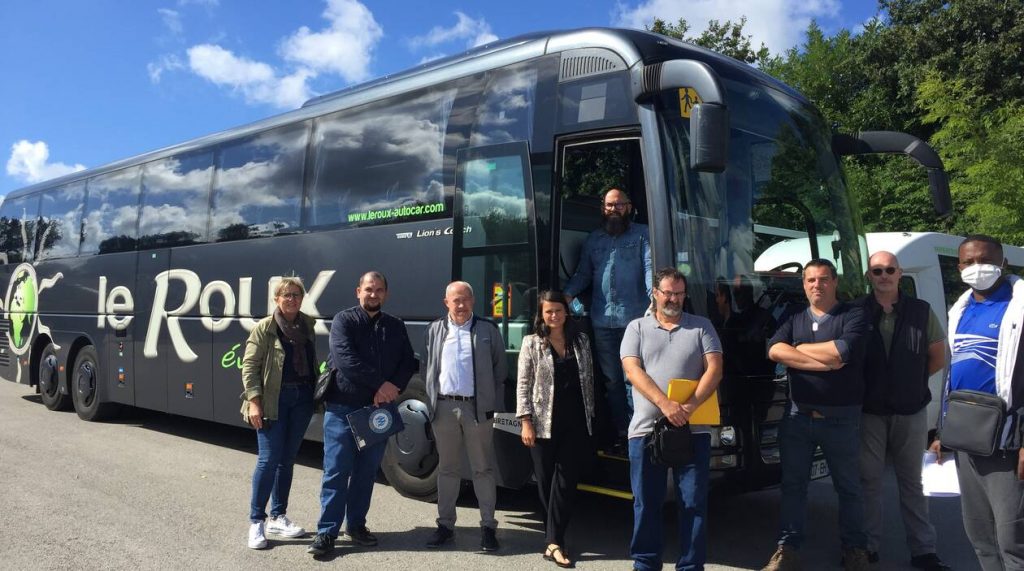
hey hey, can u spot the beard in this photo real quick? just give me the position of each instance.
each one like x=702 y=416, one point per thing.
x=370 y=306
x=615 y=224
x=670 y=309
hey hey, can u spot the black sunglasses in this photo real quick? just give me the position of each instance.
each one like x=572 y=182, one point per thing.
x=878 y=271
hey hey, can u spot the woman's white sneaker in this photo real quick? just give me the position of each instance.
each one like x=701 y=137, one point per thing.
x=257 y=539
x=283 y=526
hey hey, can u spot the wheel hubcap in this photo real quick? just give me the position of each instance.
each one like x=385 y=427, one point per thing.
x=413 y=447
x=48 y=375
x=86 y=382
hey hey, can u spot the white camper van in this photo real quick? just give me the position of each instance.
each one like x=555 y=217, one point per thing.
x=929 y=262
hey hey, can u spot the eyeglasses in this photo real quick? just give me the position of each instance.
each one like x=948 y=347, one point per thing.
x=291 y=295
x=671 y=294
x=878 y=271
x=616 y=205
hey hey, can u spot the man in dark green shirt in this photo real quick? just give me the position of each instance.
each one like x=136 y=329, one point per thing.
x=906 y=346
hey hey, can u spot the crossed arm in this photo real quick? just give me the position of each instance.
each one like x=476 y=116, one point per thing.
x=823 y=356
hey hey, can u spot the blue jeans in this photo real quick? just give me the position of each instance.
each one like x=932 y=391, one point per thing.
x=349 y=474
x=279 y=442
x=620 y=399
x=839 y=439
x=650 y=482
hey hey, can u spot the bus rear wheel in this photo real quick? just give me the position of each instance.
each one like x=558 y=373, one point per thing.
x=49 y=380
x=86 y=387
x=410 y=462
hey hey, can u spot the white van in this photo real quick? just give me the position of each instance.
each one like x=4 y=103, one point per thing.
x=929 y=261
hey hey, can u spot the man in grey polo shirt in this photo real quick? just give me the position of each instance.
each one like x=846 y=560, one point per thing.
x=669 y=344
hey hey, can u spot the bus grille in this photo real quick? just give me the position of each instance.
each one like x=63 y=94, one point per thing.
x=588 y=61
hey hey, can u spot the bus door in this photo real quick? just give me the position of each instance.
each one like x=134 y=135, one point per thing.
x=150 y=368
x=588 y=167
x=494 y=245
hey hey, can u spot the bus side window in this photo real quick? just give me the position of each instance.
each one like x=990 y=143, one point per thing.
x=951 y=284
x=18 y=227
x=381 y=163
x=258 y=188
x=59 y=228
x=908 y=286
x=111 y=212
x=176 y=200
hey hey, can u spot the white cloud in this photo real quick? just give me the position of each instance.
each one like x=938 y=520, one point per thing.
x=206 y=3
x=172 y=20
x=30 y=162
x=157 y=68
x=344 y=48
x=476 y=32
x=780 y=24
x=256 y=81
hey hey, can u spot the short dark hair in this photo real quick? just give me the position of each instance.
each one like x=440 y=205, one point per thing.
x=373 y=275
x=669 y=273
x=550 y=296
x=984 y=239
x=823 y=263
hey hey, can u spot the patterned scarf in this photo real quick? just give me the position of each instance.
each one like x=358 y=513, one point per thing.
x=298 y=336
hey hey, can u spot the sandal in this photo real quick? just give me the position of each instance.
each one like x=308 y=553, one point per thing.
x=549 y=555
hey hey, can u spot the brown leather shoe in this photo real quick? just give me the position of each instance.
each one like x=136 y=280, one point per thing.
x=785 y=558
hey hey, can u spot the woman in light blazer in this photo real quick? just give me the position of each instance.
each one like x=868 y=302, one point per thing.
x=555 y=402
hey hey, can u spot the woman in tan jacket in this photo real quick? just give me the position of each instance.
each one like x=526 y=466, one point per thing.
x=278 y=372
x=555 y=402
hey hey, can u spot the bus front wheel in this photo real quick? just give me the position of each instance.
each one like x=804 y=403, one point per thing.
x=49 y=380
x=410 y=462
x=86 y=387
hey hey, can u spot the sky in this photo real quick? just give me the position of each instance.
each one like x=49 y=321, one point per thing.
x=83 y=84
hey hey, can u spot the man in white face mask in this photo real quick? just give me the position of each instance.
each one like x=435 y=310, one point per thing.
x=988 y=356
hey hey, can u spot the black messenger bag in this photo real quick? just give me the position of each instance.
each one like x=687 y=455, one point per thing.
x=974 y=422
x=323 y=383
x=670 y=445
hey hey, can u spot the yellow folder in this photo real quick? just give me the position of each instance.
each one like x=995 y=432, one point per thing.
x=680 y=390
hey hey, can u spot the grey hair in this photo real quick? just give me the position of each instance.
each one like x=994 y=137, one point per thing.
x=459 y=283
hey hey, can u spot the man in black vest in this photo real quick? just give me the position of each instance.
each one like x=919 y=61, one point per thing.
x=906 y=344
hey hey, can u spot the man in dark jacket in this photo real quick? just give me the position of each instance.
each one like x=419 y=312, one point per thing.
x=373 y=356
x=465 y=377
x=822 y=348
x=906 y=344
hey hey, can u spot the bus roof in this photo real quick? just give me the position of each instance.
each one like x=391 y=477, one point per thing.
x=632 y=46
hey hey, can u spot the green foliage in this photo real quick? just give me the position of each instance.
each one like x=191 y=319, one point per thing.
x=984 y=149
x=726 y=38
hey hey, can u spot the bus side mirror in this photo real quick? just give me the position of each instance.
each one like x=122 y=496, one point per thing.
x=709 y=137
x=880 y=142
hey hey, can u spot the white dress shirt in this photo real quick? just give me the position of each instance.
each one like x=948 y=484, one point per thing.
x=457 y=360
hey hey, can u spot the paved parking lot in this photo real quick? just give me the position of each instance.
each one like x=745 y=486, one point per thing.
x=155 y=491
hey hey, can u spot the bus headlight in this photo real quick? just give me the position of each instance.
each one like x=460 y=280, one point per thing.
x=727 y=436
x=721 y=462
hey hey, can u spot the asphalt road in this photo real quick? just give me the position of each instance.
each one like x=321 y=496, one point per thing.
x=155 y=491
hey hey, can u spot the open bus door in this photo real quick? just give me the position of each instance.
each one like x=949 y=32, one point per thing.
x=494 y=249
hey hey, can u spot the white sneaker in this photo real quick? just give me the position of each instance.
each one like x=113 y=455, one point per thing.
x=283 y=526
x=257 y=540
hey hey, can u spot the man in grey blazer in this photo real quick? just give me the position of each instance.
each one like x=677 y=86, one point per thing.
x=466 y=372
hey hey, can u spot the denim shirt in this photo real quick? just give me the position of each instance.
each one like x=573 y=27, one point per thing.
x=619 y=268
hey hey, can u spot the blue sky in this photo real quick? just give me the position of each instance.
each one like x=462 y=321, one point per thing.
x=88 y=83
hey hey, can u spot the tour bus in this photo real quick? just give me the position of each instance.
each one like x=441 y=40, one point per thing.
x=930 y=272
x=137 y=283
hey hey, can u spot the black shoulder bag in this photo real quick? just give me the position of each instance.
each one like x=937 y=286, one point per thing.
x=974 y=422
x=671 y=445
x=323 y=384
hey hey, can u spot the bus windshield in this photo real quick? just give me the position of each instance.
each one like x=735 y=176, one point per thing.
x=783 y=188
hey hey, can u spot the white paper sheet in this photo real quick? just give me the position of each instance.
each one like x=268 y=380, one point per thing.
x=939 y=480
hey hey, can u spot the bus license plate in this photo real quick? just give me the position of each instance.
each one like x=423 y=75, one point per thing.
x=819 y=469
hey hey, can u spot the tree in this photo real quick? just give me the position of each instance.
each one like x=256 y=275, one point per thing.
x=726 y=38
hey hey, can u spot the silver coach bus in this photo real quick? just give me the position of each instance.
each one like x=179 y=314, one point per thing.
x=136 y=283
